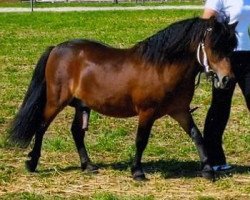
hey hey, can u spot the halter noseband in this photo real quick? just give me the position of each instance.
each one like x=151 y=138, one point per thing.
x=201 y=49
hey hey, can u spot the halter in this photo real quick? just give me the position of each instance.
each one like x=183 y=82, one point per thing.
x=201 y=49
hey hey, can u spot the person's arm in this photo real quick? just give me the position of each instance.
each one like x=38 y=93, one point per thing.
x=211 y=8
x=207 y=13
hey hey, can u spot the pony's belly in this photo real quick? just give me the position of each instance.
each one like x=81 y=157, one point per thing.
x=113 y=107
x=114 y=111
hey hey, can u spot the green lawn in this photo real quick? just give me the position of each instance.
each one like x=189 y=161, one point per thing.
x=170 y=160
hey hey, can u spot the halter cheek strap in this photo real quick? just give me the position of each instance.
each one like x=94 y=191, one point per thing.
x=201 y=49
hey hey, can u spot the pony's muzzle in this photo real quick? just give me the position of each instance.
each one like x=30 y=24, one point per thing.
x=224 y=82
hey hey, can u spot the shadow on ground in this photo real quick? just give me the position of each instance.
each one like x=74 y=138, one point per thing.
x=167 y=168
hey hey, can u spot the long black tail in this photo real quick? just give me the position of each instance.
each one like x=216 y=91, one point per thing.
x=30 y=115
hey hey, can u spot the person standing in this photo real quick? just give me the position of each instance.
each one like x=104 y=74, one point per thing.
x=219 y=111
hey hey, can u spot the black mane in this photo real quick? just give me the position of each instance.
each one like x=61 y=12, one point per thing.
x=181 y=39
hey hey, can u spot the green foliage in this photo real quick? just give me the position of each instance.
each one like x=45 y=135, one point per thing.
x=29 y=196
x=105 y=196
x=15 y=3
x=109 y=196
x=6 y=173
x=206 y=198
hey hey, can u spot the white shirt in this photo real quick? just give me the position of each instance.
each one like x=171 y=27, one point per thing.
x=235 y=10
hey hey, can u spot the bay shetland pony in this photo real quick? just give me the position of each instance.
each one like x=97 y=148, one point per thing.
x=155 y=77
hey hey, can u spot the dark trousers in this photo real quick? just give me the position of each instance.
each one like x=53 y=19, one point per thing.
x=219 y=111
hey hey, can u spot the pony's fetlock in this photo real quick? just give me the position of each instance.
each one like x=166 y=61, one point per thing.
x=34 y=155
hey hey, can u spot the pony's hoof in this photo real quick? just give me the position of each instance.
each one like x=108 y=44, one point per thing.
x=208 y=172
x=208 y=175
x=89 y=168
x=139 y=176
x=92 y=168
x=30 y=166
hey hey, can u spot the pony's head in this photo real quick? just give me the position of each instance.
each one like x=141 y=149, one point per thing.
x=213 y=52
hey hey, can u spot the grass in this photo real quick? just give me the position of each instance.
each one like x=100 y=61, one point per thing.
x=170 y=160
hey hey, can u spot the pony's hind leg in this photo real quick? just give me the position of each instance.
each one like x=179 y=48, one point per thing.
x=78 y=128
x=35 y=154
x=50 y=113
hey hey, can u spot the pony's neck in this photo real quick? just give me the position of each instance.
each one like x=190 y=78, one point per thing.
x=177 y=42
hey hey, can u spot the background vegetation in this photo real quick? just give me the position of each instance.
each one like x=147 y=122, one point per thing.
x=170 y=160
x=94 y=3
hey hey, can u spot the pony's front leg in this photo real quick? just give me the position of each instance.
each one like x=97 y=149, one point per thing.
x=185 y=119
x=79 y=126
x=145 y=124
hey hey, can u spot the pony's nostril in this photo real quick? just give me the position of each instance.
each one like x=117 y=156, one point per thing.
x=225 y=80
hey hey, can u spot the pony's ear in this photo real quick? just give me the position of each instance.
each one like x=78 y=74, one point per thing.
x=233 y=25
